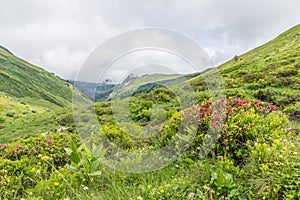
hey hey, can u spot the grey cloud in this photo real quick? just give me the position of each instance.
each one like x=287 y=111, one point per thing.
x=59 y=35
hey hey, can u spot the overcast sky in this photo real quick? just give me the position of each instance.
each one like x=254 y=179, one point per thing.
x=59 y=35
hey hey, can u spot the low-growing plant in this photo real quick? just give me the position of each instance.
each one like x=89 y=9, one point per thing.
x=85 y=161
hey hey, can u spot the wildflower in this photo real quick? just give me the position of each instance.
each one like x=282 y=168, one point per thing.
x=209 y=103
x=45 y=157
x=186 y=112
x=271 y=107
x=205 y=105
x=191 y=195
x=85 y=188
x=213 y=125
x=200 y=116
x=56 y=184
x=37 y=142
x=221 y=103
x=229 y=109
x=3 y=145
x=174 y=118
x=12 y=190
x=193 y=108
x=48 y=140
x=217 y=118
x=202 y=109
x=18 y=147
x=276 y=142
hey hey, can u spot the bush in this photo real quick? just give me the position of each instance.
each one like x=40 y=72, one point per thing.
x=10 y=113
x=26 y=162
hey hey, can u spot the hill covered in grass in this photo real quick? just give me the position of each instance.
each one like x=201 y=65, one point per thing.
x=30 y=83
x=269 y=73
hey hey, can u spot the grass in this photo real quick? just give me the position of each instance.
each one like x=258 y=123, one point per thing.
x=23 y=80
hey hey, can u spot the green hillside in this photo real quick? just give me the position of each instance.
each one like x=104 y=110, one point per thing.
x=269 y=73
x=31 y=84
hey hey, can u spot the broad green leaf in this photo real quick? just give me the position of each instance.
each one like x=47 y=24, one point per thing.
x=74 y=157
x=97 y=173
x=68 y=151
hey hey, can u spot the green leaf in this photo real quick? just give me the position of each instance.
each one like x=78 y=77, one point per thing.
x=95 y=165
x=80 y=148
x=81 y=163
x=68 y=151
x=97 y=173
x=75 y=157
x=189 y=160
x=73 y=169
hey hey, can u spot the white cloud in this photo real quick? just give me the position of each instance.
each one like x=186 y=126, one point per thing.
x=59 y=35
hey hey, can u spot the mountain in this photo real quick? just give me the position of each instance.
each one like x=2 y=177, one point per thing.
x=131 y=85
x=31 y=84
x=269 y=73
x=95 y=91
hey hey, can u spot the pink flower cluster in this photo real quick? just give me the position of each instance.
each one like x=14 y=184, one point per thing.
x=18 y=147
x=48 y=140
x=3 y=145
x=221 y=110
x=271 y=107
x=239 y=102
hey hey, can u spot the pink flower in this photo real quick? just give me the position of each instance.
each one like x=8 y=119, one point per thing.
x=193 y=108
x=217 y=118
x=18 y=147
x=205 y=105
x=48 y=140
x=202 y=109
x=229 y=109
x=3 y=145
x=186 y=113
x=221 y=103
x=209 y=103
x=37 y=142
x=200 y=116
x=271 y=107
x=213 y=125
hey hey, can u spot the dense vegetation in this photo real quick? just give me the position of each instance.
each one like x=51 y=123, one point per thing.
x=244 y=146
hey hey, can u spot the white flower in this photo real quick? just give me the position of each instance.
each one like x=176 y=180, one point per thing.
x=85 y=188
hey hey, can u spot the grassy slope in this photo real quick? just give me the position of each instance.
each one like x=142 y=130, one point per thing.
x=33 y=94
x=269 y=72
x=31 y=84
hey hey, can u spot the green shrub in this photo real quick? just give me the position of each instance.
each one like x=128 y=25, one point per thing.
x=11 y=113
x=26 y=162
